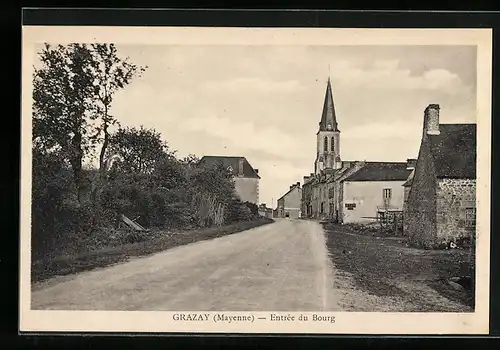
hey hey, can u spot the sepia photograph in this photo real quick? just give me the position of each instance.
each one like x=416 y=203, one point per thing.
x=255 y=180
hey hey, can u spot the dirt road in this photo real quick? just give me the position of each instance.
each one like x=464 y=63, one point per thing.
x=283 y=266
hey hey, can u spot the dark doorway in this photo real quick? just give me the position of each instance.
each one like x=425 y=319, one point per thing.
x=287 y=214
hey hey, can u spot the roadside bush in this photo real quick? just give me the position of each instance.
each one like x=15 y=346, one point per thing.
x=169 y=194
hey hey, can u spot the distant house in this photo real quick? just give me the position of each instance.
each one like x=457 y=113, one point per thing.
x=441 y=193
x=265 y=211
x=375 y=188
x=246 y=178
x=289 y=204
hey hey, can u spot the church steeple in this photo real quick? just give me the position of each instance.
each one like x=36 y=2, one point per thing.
x=328 y=118
x=328 y=136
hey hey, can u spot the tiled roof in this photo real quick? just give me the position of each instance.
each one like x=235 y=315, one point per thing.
x=381 y=171
x=454 y=151
x=232 y=162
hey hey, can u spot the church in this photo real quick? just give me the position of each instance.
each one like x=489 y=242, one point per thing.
x=346 y=191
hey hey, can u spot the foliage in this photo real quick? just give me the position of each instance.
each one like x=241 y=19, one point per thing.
x=139 y=150
x=72 y=91
x=62 y=103
x=111 y=73
x=137 y=176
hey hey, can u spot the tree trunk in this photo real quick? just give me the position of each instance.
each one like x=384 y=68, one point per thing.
x=76 y=158
x=102 y=165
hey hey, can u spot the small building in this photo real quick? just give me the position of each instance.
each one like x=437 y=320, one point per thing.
x=441 y=199
x=246 y=178
x=289 y=205
x=372 y=191
x=264 y=211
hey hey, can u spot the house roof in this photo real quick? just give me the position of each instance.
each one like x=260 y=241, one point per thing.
x=454 y=151
x=381 y=171
x=290 y=190
x=233 y=162
x=409 y=181
x=328 y=114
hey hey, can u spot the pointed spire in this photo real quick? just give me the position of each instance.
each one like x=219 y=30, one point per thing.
x=328 y=116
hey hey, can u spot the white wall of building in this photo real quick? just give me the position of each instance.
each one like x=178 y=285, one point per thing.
x=366 y=196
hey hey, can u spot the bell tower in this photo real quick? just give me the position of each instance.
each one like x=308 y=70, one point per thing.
x=328 y=136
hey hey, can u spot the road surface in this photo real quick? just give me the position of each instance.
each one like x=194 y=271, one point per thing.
x=280 y=266
x=283 y=266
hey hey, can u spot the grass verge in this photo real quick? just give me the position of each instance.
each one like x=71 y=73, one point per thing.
x=379 y=265
x=66 y=265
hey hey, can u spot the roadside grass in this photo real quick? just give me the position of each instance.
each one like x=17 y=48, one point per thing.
x=159 y=241
x=378 y=263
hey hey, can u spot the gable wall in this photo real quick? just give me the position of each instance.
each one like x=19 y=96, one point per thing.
x=420 y=211
x=247 y=189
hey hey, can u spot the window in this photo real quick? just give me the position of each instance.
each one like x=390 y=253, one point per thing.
x=387 y=193
x=332 y=145
x=470 y=217
x=321 y=210
x=326 y=144
x=350 y=206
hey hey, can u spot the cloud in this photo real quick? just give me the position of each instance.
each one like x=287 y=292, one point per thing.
x=372 y=131
x=258 y=85
x=387 y=74
x=245 y=134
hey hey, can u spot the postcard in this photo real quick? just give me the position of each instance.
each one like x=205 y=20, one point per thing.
x=255 y=180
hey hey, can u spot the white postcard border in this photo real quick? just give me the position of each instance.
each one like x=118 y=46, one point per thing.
x=345 y=322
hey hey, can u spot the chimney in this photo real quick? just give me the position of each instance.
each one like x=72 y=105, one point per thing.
x=256 y=171
x=311 y=174
x=298 y=183
x=240 y=167
x=411 y=163
x=431 y=119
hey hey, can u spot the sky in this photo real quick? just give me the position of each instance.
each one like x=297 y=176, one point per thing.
x=265 y=102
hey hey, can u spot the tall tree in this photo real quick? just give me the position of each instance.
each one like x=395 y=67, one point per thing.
x=111 y=73
x=62 y=98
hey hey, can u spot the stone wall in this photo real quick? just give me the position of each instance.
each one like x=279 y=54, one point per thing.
x=454 y=197
x=405 y=207
x=420 y=211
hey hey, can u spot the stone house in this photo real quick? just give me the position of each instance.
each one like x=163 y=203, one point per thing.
x=441 y=193
x=246 y=178
x=289 y=205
